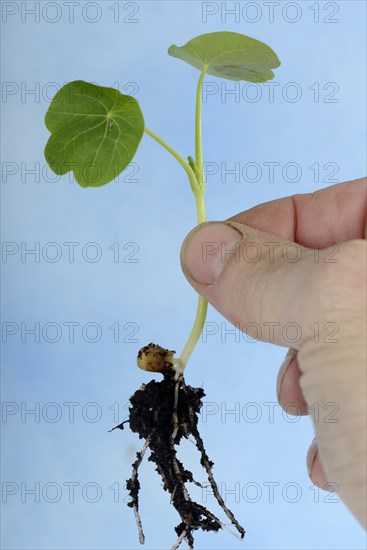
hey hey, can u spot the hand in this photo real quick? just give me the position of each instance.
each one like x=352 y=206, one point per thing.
x=302 y=259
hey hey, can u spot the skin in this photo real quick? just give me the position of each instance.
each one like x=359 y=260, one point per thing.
x=316 y=273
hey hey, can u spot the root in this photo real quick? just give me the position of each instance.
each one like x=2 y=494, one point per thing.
x=179 y=540
x=163 y=413
x=208 y=464
x=134 y=486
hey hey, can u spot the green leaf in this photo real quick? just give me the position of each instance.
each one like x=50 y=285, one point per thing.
x=229 y=55
x=95 y=132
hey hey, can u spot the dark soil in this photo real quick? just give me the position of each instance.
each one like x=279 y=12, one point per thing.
x=162 y=413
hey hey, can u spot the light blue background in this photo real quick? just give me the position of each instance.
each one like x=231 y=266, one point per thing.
x=156 y=213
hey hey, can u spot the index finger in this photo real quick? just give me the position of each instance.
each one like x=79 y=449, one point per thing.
x=315 y=220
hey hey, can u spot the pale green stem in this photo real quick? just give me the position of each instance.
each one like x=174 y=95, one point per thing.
x=198 y=187
x=177 y=156
x=202 y=306
x=198 y=131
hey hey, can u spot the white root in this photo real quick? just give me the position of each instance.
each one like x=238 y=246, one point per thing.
x=214 y=486
x=135 y=503
x=179 y=540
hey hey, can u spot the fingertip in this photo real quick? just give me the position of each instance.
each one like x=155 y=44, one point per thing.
x=283 y=369
x=289 y=392
x=315 y=469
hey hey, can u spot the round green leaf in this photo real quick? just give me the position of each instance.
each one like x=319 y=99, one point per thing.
x=229 y=55
x=95 y=132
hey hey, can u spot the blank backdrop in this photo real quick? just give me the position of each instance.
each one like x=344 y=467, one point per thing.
x=105 y=278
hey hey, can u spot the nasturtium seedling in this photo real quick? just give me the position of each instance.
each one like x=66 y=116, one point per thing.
x=95 y=132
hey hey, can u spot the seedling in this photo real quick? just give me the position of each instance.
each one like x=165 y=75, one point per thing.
x=95 y=132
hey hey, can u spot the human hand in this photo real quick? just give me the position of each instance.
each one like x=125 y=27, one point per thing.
x=302 y=259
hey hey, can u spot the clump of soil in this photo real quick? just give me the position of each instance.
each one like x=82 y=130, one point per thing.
x=162 y=413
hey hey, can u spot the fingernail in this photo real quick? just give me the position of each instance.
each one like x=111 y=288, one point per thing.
x=283 y=369
x=311 y=456
x=207 y=249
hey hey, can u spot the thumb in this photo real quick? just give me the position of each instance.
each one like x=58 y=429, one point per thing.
x=253 y=278
x=280 y=292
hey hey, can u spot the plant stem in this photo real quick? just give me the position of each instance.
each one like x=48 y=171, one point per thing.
x=197 y=182
x=177 y=156
x=198 y=132
x=195 y=333
x=202 y=306
x=199 y=192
